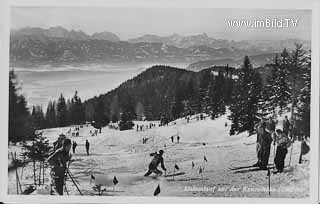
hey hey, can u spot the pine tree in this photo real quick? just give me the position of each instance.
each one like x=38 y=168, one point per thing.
x=303 y=105
x=216 y=91
x=51 y=115
x=38 y=119
x=62 y=113
x=100 y=117
x=246 y=99
x=77 y=110
x=37 y=151
x=20 y=127
x=298 y=63
x=127 y=113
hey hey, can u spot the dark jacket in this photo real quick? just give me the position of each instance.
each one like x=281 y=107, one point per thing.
x=286 y=125
x=58 y=161
x=157 y=159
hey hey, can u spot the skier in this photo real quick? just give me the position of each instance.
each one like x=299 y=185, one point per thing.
x=87 y=147
x=283 y=142
x=172 y=138
x=58 y=162
x=286 y=126
x=74 y=145
x=178 y=138
x=258 y=144
x=265 y=141
x=153 y=166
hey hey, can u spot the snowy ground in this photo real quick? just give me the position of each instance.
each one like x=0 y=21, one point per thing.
x=122 y=154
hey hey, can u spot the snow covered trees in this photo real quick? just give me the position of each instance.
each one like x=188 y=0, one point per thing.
x=277 y=91
x=304 y=98
x=245 y=100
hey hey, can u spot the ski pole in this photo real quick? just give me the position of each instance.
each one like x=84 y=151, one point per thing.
x=68 y=172
x=269 y=180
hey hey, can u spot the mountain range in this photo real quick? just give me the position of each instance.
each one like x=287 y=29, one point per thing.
x=57 y=45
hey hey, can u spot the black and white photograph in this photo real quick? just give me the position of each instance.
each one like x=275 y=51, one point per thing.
x=159 y=102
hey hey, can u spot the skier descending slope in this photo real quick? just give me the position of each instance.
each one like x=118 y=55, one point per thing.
x=153 y=166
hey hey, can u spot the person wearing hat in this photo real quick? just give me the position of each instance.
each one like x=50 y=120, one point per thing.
x=153 y=166
x=58 y=143
x=58 y=162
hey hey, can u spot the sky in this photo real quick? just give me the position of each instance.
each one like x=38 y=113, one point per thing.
x=134 y=22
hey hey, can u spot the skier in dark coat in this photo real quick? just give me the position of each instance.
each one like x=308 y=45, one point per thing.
x=178 y=138
x=283 y=142
x=58 y=162
x=258 y=144
x=172 y=138
x=74 y=146
x=286 y=126
x=87 y=147
x=153 y=166
x=265 y=141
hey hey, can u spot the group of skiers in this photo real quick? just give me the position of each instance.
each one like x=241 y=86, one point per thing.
x=267 y=134
x=172 y=138
x=75 y=144
x=144 y=127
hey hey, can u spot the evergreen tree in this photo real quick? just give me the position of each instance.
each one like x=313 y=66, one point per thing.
x=100 y=117
x=51 y=115
x=37 y=151
x=297 y=63
x=216 y=90
x=20 y=128
x=77 y=110
x=246 y=99
x=303 y=106
x=127 y=113
x=38 y=118
x=62 y=113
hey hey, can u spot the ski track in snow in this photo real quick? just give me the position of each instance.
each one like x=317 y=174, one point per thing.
x=122 y=154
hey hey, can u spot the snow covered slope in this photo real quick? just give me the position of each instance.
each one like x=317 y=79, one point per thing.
x=122 y=154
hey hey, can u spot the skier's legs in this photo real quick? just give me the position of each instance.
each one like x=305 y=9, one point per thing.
x=282 y=159
x=148 y=173
x=157 y=171
x=277 y=158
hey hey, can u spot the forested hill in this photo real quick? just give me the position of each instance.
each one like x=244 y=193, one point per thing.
x=166 y=92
